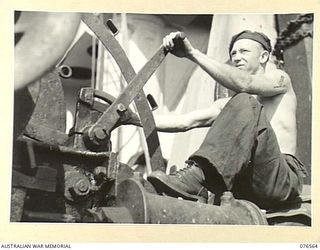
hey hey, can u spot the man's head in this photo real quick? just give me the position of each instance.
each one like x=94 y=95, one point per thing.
x=249 y=50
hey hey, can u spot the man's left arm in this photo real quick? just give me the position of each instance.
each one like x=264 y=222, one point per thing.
x=174 y=123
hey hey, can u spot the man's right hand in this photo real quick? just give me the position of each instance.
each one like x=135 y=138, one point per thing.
x=177 y=44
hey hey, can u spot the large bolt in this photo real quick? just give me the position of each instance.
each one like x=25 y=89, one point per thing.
x=86 y=95
x=121 y=108
x=95 y=137
x=81 y=187
x=99 y=134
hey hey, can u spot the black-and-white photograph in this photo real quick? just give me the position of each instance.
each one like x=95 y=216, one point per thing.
x=134 y=118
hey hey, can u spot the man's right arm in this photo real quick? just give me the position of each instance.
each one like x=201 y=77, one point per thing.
x=268 y=84
x=271 y=83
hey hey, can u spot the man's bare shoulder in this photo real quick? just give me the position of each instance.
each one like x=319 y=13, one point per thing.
x=279 y=77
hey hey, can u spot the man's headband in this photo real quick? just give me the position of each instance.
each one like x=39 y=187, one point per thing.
x=255 y=36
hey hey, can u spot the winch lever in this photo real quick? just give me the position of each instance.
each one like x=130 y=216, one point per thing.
x=111 y=116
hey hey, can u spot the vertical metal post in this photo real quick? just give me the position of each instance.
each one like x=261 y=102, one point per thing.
x=93 y=62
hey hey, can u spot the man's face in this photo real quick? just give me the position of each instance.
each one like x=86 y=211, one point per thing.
x=246 y=55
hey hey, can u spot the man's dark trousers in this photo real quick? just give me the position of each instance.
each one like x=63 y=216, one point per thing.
x=241 y=153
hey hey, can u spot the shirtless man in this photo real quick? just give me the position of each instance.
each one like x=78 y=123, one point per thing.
x=250 y=146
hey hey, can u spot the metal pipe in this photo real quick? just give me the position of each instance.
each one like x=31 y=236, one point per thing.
x=145 y=207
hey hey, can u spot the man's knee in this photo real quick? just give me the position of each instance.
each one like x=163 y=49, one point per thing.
x=244 y=99
x=242 y=96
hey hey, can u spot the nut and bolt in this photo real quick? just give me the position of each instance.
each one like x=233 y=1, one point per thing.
x=99 y=134
x=81 y=187
x=65 y=71
x=121 y=107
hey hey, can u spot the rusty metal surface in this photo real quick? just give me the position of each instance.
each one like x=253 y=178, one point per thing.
x=66 y=150
x=45 y=134
x=44 y=179
x=76 y=178
x=145 y=114
x=24 y=103
x=48 y=120
x=77 y=185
